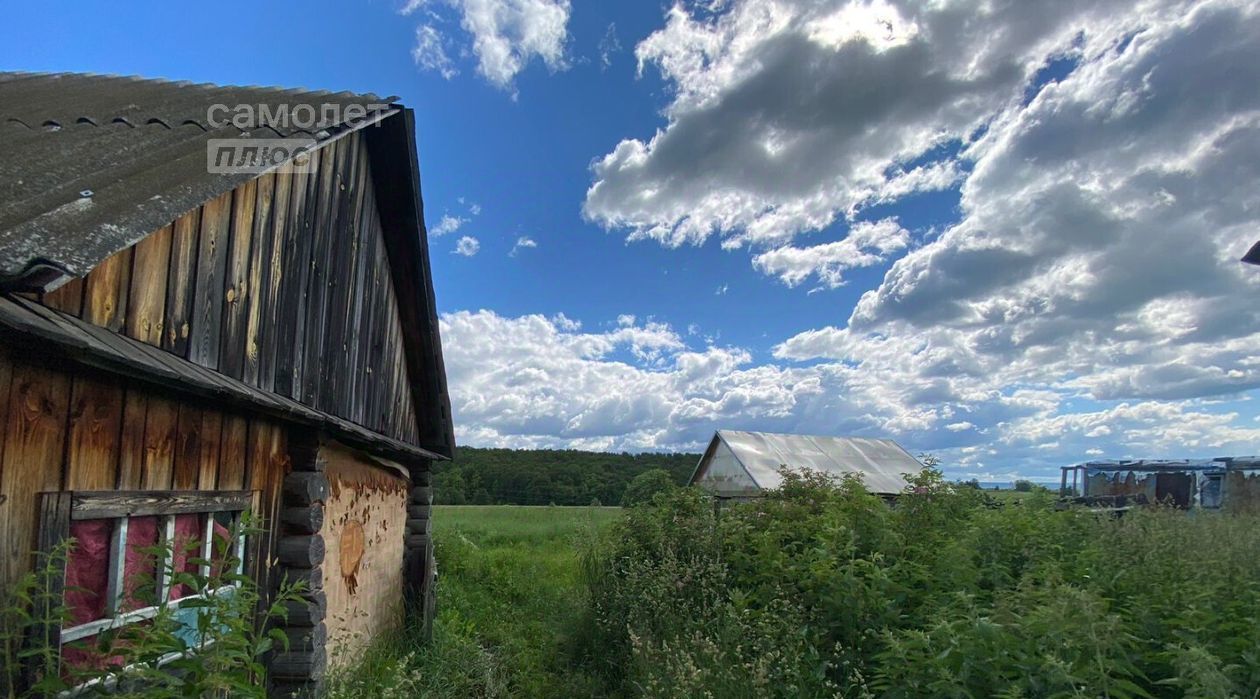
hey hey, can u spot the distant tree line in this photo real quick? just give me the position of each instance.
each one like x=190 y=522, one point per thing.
x=548 y=476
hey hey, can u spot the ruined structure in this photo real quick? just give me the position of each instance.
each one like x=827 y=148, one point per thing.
x=1229 y=482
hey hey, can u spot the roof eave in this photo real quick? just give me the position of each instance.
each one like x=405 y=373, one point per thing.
x=397 y=182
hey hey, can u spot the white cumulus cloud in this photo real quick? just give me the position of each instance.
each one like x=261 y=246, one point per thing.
x=522 y=243
x=429 y=52
x=866 y=244
x=505 y=35
x=448 y=224
x=787 y=116
x=467 y=246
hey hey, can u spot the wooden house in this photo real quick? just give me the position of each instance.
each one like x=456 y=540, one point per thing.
x=178 y=345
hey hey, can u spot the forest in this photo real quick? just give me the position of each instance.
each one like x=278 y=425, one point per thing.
x=549 y=476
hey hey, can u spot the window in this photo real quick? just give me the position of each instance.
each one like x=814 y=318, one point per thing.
x=130 y=551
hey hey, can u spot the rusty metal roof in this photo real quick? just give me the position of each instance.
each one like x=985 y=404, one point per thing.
x=882 y=463
x=91 y=164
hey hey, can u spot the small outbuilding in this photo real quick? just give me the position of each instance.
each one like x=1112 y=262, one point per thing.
x=190 y=329
x=746 y=464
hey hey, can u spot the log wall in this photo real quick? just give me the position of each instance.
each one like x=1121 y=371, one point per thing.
x=283 y=283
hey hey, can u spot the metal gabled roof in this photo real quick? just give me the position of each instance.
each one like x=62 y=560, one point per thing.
x=881 y=463
x=91 y=164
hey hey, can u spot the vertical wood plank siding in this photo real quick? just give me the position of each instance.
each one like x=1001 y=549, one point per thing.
x=212 y=248
x=34 y=449
x=61 y=432
x=105 y=292
x=283 y=283
x=180 y=283
x=235 y=297
x=146 y=302
x=96 y=412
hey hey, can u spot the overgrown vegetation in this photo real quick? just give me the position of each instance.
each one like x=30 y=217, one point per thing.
x=211 y=644
x=823 y=590
x=820 y=589
x=548 y=476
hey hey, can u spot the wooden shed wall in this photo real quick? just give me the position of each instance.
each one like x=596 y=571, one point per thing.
x=77 y=432
x=283 y=283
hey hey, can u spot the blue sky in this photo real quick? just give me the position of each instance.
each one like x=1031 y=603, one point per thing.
x=1009 y=237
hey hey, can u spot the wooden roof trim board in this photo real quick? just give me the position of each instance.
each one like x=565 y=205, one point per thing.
x=39 y=332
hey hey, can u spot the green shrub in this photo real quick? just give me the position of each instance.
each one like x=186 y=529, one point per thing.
x=646 y=486
x=821 y=589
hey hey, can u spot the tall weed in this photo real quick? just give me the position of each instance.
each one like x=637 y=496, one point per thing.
x=822 y=589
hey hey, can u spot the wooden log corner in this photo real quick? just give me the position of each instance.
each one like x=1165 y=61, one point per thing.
x=303 y=520
x=422 y=495
x=308 y=611
x=302 y=488
x=311 y=578
x=306 y=455
x=299 y=665
x=301 y=551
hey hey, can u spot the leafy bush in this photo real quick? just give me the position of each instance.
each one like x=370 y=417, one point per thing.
x=822 y=589
x=646 y=486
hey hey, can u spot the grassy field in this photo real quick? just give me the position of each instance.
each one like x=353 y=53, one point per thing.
x=823 y=590
x=509 y=595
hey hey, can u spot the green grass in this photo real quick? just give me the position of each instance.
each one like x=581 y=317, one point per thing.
x=509 y=597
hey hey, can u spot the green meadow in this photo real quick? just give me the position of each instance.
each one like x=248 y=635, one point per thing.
x=510 y=599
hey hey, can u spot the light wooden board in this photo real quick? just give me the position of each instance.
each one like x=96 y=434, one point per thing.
x=96 y=411
x=34 y=450
x=106 y=290
x=146 y=301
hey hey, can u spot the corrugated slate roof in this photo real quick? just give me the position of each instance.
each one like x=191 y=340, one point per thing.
x=881 y=463
x=91 y=164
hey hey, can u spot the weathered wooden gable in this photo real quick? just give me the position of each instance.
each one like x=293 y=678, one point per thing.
x=283 y=283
